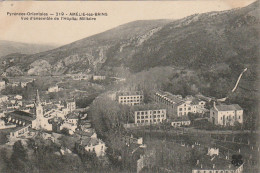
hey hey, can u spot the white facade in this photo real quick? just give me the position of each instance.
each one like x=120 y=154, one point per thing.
x=134 y=98
x=20 y=131
x=3 y=99
x=40 y=122
x=2 y=85
x=180 y=123
x=213 y=151
x=53 y=89
x=98 y=148
x=226 y=114
x=18 y=97
x=99 y=77
x=2 y=124
x=150 y=116
x=177 y=106
x=71 y=106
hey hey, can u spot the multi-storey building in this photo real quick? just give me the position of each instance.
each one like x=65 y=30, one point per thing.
x=130 y=98
x=226 y=114
x=71 y=105
x=150 y=116
x=178 y=106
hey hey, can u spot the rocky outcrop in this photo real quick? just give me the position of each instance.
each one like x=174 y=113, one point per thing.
x=40 y=67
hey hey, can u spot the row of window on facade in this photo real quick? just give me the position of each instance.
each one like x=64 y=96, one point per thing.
x=147 y=121
x=146 y=112
x=189 y=108
x=181 y=123
x=208 y=171
x=127 y=101
x=132 y=97
x=229 y=117
x=154 y=116
x=184 y=113
x=22 y=131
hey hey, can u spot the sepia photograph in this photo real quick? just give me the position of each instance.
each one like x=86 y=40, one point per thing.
x=129 y=86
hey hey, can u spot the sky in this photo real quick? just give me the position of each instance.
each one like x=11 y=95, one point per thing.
x=12 y=28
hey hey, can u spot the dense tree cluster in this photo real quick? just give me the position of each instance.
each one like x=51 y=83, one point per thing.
x=39 y=155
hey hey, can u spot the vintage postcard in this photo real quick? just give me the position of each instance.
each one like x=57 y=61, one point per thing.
x=129 y=86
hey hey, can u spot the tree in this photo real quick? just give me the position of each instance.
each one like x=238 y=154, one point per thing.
x=5 y=79
x=4 y=161
x=65 y=131
x=237 y=125
x=19 y=157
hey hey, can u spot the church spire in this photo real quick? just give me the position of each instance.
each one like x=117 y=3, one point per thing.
x=37 y=99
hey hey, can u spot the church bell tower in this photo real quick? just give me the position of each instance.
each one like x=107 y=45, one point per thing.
x=38 y=110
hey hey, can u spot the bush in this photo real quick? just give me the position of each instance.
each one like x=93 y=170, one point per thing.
x=204 y=124
x=65 y=131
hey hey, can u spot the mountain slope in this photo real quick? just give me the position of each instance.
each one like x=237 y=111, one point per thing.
x=9 y=47
x=200 y=41
x=83 y=55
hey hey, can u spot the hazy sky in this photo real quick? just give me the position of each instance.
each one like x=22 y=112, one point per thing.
x=63 y=32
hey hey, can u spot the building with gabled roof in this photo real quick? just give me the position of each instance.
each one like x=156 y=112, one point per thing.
x=225 y=115
x=178 y=106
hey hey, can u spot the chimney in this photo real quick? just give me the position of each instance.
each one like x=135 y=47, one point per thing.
x=201 y=166
x=198 y=161
x=227 y=157
x=213 y=166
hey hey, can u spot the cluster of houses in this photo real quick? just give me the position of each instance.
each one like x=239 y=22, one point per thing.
x=51 y=118
x=9 y=103
x=36 y=117
x=175 y=109
x=23 y=82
